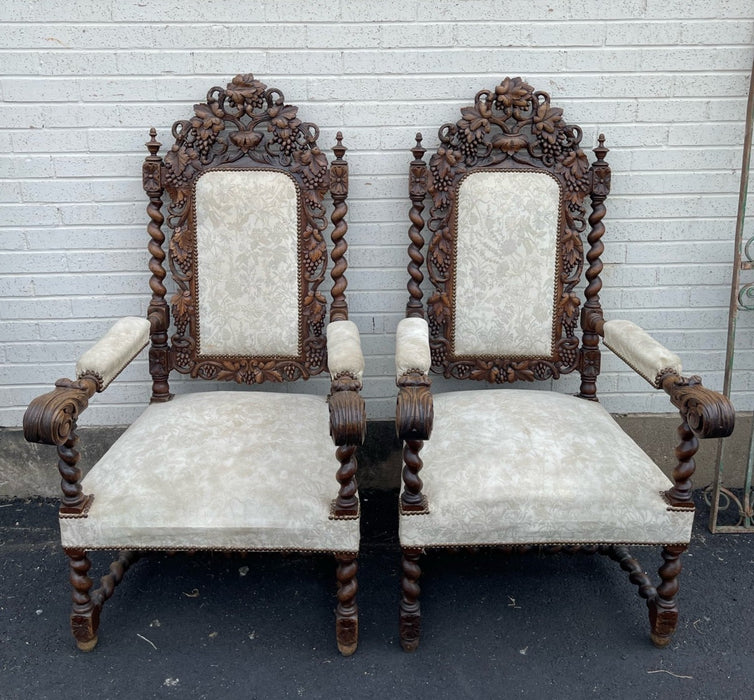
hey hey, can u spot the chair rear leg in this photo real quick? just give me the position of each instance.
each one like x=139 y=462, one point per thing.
x=410 y=612
x=85 y=613
x=347 y=612
x=663 y=609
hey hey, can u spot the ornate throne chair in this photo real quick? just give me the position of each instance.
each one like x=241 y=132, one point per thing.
x=514 y=468
x=226 y=470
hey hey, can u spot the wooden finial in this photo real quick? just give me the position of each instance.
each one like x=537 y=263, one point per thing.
x=153 y=144
x=418 y=150
x=600 y=151
x=339 y=149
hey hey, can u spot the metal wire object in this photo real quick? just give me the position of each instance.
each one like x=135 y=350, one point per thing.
x=723 y=501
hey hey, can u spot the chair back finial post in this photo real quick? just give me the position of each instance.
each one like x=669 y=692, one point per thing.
x=339 y=193
x=417 y=189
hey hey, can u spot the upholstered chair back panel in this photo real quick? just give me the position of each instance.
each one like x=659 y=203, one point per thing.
x=247 y=263
x=501 y=243
x=506 y=264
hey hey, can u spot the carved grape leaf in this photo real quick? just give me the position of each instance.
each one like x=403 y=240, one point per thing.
x=182 y=305
x=313 y=244
x=439 y=307
x=266 y=372
x=513 y=92
x=546 y=121
x=569 y=303
x=180 y=244
x=475 y=122
x=314 y=306
x=244 y=90
x=178 y=157
x=572 y=248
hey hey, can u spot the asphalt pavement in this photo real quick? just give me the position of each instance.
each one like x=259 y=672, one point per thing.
x=261 y=626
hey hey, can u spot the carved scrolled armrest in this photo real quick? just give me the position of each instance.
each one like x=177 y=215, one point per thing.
x=346 y=362
x=414 y=411
x=646 y=356
x=110 y=355
x=347 y=411
x=347 y=428
x=708 y=413
x=50 y=418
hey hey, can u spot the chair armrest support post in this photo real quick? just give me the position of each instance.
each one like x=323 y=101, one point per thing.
x=51 y=419
x=347 y=429
x=414 y=416
x=704 y=414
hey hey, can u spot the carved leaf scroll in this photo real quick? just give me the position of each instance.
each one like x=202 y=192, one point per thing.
x=247 y=125
x=511 y=127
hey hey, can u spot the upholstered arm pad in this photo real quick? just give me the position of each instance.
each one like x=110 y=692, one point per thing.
x=107 y=358
x=640 y=351
x=412 y=347
x=344 y=354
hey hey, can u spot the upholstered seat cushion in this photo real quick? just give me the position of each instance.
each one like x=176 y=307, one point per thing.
x=218 y=470
x=532 y=467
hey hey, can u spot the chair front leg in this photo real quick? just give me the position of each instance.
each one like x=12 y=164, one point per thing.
x=85 y=612
x=410 y=612
x=347 y=612
x=663 y=608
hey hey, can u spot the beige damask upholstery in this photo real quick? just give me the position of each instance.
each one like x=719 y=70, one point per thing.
x=344 y=349
x=506 y=467
x=107 y=358
x=412 y=346
x=263 y=486
x=248 y=288
x=640 y=351
x=506 y=247
x=508 y=223
x=246 y=220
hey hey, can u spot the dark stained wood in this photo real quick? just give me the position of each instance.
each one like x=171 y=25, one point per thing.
x=591 y=314
x=339 y=192
x=413 y=420
x=515 y=128
x=704 y=414
x=511 y=128
x=158 y=311
x=410 y=610
x=663 y=609
x=51 y=419
x=417 y=191
x=244 y=126
x=635 y=573
x=347 y=428
x=85 y=614
x=347 y=612
x=249 y=126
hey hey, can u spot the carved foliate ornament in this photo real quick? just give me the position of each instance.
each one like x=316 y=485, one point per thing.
x=247 y=126
x=512 y=127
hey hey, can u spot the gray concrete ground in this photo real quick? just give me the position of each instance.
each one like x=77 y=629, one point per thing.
x=261 y=626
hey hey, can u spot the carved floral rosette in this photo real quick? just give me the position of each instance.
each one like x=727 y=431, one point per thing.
x=247 y=126
x=512 y=127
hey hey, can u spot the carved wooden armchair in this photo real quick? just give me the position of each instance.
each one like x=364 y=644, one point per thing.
x=514 y=468
x=226 y=470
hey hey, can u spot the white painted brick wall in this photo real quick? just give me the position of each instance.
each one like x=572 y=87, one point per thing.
x=81 y=83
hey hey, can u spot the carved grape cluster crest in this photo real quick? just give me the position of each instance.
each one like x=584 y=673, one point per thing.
x=512 y=127
x=247 y=125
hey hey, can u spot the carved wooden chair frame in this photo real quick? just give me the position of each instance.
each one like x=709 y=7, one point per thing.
x=513 y=127
x=245 y=126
